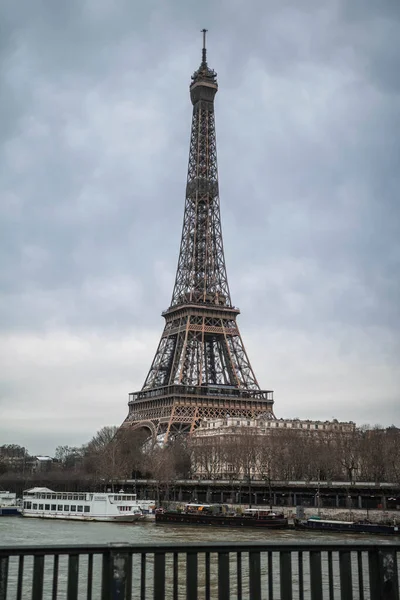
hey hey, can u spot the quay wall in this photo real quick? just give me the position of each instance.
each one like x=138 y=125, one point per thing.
x=340 y=514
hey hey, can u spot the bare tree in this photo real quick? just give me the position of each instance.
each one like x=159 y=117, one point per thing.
x=348 y=450
x=102 y=438
x=392 y=454
x=207 y=456
x=161 y=466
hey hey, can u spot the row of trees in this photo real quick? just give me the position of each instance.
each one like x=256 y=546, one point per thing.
x=365 y=454
x=111 y=455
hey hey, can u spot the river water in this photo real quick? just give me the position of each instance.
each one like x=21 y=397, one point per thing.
x=18 y=531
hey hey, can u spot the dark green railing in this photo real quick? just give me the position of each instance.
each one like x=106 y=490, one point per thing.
x=276 y=571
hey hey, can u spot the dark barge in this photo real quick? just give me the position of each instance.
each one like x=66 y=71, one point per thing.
x=332 y=526
x=219 y=515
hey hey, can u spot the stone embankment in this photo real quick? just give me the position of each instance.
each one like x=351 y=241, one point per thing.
x=338 y=514
x=355 y=514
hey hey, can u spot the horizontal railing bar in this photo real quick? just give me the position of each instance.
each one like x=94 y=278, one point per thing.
x=199 y=547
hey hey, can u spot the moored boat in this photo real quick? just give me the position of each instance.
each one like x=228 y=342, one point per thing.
x=221 y=516
x=333 y=526
x=80 y=506
x=148 y=509
x=8 y=505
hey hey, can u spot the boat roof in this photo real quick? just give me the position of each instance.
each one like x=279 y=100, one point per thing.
x=258 y=509
x=37 y=490
x=317 y=520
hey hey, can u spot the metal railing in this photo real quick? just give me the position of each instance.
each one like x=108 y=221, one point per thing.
x=275 y=571
x=206 y=390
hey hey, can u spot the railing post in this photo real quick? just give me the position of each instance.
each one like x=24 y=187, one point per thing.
x=315 y=575
x=191 y=576
x=116 y=576
x=159 y=576
x=73 y=573
x=3 y=577
x=223 y=576
x=389 y=577
x=285 y=560
x=346 y=586
x=38 y=576
x=255 y=575
x=383 y=578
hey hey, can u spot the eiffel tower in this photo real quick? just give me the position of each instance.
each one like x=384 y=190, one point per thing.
x=200 y=369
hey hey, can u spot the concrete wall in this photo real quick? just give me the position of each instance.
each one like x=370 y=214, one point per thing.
x=339 y=514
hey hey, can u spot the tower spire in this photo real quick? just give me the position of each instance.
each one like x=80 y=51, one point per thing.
x=204 y=53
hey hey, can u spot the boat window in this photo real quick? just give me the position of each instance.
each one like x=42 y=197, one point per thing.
x=66 y=507
x=87 y=508
x=40 y=506
x=28 y=505
x=75 y=497
x=64 y=496
x=53 y=496
x=47 y=507
x=53 y=507
x=80 y=508
x=34 y=506
x=59 y=507
x=48 y=496
x=73 y=508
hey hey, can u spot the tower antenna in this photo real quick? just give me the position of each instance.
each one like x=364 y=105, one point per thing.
x=204 y=54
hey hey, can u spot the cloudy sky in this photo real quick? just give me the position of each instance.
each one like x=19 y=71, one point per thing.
x=94 y=134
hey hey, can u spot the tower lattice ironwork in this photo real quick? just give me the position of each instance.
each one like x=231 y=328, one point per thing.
x=200 y=369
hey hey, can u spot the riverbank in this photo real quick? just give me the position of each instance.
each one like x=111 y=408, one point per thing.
x=338 y=514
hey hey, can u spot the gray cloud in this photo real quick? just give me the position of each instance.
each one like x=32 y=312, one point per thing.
x=93 y=155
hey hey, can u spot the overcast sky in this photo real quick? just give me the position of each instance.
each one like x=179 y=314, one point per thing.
x=94 y=138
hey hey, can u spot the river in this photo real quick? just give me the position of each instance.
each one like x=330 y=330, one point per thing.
x=18 y=531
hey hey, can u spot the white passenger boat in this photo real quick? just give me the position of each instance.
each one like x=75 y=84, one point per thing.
x=81 y=506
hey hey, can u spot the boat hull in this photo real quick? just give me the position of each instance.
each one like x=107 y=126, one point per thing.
x=219 y=520
x=103 y=519
x=9 y=511
x=341 y=527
